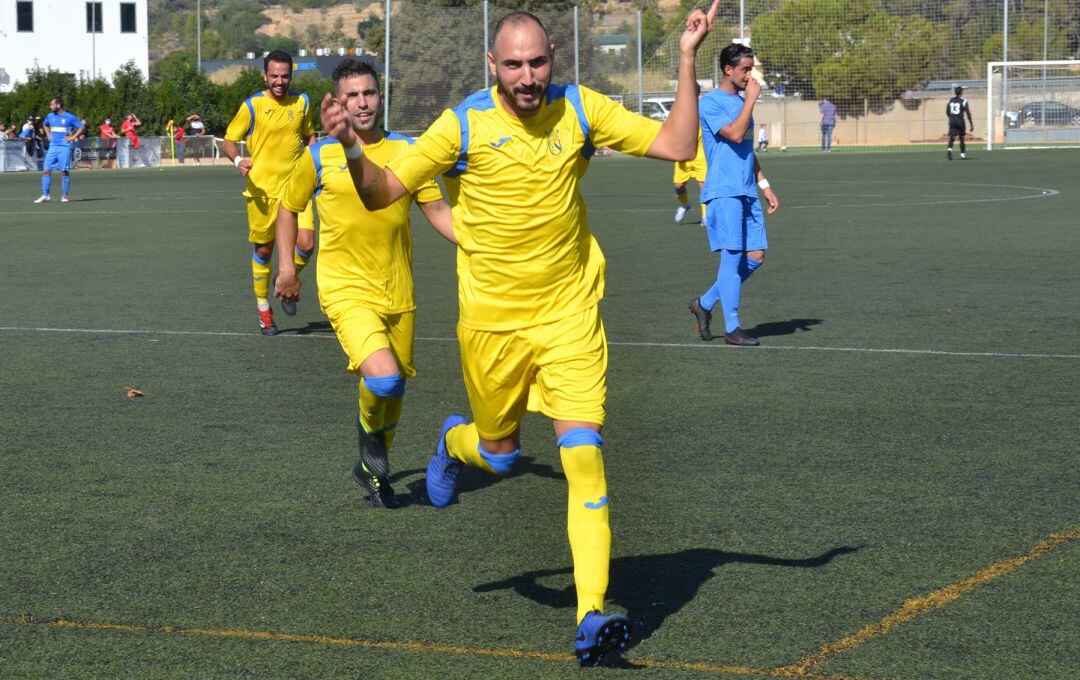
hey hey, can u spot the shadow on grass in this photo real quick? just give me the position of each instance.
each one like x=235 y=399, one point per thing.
x=764 y=330
x=653 y=587
x=311 y=327
x=473 y=479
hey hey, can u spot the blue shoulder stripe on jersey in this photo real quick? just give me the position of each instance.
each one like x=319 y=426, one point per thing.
x=316 y=155
x=397 y=136
x=251 y=113
x=573 y=95
x=307 y=102
x=477 y=101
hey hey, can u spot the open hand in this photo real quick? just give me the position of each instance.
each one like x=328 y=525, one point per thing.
x=335 y=120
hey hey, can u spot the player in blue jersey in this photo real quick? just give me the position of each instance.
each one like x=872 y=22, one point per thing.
x=63 y=128
x=734 y=220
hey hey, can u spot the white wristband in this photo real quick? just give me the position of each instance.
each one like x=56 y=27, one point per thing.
x=352 y=152
x=763 y=184
x=236 y=161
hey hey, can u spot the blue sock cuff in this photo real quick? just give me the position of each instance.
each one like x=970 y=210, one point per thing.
x=753 y=264
x=255 y=256
x=303 y=254
x=500 y=462
x=681 y=192
x=581 y=436
x=387 y=386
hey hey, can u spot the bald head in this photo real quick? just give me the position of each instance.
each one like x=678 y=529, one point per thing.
x=519 y=20
x=520 y=59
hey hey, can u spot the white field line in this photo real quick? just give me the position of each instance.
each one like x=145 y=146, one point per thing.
x=666 y=345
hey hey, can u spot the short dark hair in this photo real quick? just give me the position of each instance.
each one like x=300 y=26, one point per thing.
x=280 y=56
x=59 y=100
x=516 y=19
x=733 y=54
x=349 y=68
x=958 y=89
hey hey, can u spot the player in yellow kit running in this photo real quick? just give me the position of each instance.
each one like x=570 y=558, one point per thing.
x=277 y=125
x=530 y=274
x=365 y=268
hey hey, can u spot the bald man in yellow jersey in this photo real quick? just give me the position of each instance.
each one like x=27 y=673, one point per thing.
x=277 y=126
x=365 y=268
x=530 y=275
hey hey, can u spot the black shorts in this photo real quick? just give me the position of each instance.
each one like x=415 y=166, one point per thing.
x=956 y=131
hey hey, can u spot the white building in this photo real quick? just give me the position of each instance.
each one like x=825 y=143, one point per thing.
x=60 y=35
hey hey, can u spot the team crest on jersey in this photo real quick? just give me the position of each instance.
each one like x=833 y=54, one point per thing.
x=554 y=142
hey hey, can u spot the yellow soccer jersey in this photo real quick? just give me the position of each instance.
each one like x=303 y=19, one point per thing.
x=276 y=133
x=364 y=256
x=525 y=254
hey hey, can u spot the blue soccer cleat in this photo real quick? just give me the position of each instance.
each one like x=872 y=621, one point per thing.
x=598 y=635
x=442 y=470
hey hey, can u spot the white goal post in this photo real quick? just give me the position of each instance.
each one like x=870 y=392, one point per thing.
x=999 y=111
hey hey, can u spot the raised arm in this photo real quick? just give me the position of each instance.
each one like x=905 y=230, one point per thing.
x=677 y=139
x=377 y=187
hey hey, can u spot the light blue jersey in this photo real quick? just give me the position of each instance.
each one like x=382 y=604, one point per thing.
x=59 y=126
x=731 y=166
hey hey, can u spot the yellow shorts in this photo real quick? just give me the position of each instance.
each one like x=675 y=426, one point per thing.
x=362 y=331
x=262 y=218
x=687 y=170
x=558 y=369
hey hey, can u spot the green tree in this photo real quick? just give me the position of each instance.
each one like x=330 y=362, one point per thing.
x=847 y=50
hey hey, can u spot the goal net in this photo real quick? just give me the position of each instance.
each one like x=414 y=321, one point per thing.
x=1033 y=103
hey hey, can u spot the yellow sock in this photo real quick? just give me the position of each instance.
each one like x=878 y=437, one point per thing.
x=301 y=259
x=587 y=524
x=260 y=275
x=463 y=443
x=703 y=213
x=391 y=416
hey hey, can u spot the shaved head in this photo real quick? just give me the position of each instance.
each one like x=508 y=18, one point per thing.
x=517 y=20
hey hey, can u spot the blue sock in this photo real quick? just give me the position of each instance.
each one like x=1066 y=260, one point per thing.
x=729 y=283
x=46 y=184
x=747 y=267
x=66 y=182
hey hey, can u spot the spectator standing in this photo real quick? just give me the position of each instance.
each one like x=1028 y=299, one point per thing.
x=828 y=122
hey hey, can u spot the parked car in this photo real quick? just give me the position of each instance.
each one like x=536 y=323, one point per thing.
x=1055 y=113
x=657 y=107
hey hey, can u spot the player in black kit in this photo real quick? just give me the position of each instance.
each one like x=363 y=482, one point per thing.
x=955 y=109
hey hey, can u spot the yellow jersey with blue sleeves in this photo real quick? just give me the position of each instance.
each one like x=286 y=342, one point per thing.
x=526 y=256
x=276 y=132
x=363 y=256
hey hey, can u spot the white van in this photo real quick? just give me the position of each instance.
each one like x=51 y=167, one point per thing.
x=657 y=107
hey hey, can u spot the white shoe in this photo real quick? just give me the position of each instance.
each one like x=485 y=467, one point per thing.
x=680 y=213
x=963 y=156
x=65 y=199
x=44 y=198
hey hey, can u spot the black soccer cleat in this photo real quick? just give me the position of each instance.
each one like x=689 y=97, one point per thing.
x=372 y=470
x=289 y=307
x=702 y=319
x=599 y=635
x=739 y=338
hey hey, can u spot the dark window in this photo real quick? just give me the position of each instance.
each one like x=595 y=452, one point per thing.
x=93 y=17
x=24 y=17
x=127 y=17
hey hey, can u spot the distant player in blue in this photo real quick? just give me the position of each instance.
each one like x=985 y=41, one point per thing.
x=734 y=220
x=63 y=128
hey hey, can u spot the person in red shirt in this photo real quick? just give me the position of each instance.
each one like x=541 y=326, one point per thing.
x=127 y=128
x=178 y=142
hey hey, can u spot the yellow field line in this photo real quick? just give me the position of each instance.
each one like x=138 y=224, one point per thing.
x=921 y=605
x=372 y=644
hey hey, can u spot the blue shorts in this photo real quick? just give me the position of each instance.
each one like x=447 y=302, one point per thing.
x=58 y=158
x=735 y=223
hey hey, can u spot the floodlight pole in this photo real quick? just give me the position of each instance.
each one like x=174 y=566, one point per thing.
x=1005 y=58
x=386 y=71
x=742 y=22
x=1046 y=38
x=487 y=74
x=198 y=35
x=93 y=41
